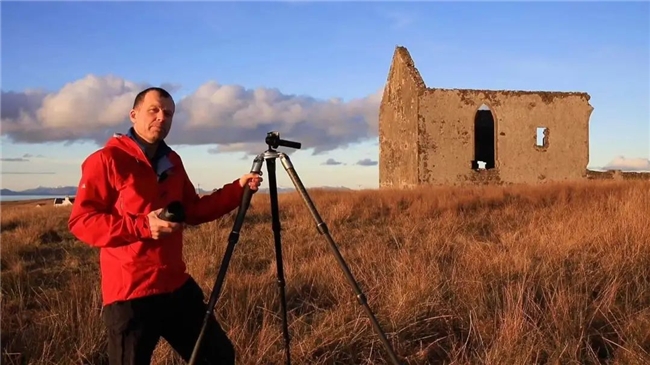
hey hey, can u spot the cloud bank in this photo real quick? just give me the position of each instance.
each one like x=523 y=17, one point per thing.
x=332 y=162
x=26 y=158
x=230 y=116
x=628 y=164
x=367 y=162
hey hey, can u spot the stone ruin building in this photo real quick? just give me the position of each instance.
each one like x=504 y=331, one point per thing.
x=443 y=137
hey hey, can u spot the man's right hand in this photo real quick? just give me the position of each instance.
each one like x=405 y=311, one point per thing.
x=159 y=227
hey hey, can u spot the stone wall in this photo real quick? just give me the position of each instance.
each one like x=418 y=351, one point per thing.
x=617 y=175
x=398 y=116
x=426 y=135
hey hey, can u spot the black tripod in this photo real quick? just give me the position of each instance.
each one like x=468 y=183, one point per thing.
x=273 y=141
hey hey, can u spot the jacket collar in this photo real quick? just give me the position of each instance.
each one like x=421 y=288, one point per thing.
x=159 y=161
x=162 y=150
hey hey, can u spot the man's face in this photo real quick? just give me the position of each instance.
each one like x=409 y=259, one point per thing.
x=152 y=120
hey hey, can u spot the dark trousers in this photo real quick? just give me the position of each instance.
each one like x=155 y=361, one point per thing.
x=135 y=327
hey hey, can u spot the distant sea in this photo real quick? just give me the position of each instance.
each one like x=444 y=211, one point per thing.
x=11 y=198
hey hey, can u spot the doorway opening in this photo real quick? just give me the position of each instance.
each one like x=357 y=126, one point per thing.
x=484 y=146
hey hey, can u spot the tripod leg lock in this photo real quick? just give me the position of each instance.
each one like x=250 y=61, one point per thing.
x=362 y=299
x=233 y=237
x=322 y=228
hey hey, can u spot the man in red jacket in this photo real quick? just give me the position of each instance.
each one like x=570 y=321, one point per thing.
x=146 y=290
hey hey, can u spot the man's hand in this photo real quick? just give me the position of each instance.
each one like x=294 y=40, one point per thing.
x=159 y=227
x=253 y=180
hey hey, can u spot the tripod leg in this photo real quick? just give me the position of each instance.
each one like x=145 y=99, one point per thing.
x=322 y=228
x=232 y=241
x=273 y=192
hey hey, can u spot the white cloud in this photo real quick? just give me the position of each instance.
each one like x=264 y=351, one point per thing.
x=628 y=164
x=103 y=99
x=235 y=118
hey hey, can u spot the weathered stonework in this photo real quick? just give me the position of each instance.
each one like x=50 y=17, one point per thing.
x=427 y=135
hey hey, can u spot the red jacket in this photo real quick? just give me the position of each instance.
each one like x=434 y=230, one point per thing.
x=118 y=187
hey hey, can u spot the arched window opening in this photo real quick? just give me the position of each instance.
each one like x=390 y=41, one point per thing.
x=484 y=146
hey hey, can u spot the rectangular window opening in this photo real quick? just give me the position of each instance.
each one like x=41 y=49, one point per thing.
x=542 y=137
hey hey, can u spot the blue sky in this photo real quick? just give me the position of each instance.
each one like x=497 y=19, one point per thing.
x=325 y=60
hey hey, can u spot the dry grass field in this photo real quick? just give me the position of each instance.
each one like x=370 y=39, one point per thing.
x=554 y=274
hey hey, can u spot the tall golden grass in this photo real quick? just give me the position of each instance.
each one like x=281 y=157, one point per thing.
x=552 y=274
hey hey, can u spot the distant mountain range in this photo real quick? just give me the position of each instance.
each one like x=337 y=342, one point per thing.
x=72 y=190
x=42 y=190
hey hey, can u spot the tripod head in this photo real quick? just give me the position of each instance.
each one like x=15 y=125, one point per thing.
x=274 y=141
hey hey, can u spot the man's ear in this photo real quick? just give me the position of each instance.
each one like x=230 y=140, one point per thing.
x=132 y=115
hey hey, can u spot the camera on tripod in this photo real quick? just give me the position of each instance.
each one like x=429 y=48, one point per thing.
x=269 y=156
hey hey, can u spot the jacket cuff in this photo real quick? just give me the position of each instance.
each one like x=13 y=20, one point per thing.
x=239 y=190
x=142 y=228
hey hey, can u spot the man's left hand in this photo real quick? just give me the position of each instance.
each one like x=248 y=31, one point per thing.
x=252 y=179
